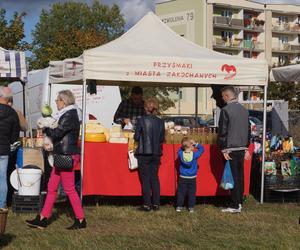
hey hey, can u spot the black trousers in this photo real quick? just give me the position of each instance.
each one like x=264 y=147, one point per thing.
x=237 y=169
x=186 y=187
x=148 y=172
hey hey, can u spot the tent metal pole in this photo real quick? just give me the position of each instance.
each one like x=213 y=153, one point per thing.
x=29 y=113
x=24 y=101
x=84 y=90
x=196 y=105
x=264 y=146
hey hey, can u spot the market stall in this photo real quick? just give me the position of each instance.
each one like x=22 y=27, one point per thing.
x=111 y=176
x=281 y=171
x=12 y=64
x=151 y=54
x=289 y=73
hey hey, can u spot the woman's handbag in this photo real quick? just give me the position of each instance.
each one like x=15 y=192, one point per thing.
x=64 y=162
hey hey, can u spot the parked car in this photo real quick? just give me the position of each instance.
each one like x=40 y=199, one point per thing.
x=259 y=115
x=210 y=122
x=186 y=121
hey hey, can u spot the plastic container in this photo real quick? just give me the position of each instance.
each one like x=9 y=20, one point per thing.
x=20 y=157
x=29 y=181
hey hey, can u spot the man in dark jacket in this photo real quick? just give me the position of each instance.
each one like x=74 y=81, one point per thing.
x=234 y=141
x=130 y=110
x=9 y=133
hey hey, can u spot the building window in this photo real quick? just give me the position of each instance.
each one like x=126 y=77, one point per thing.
x=247 y=54
x=283 y=39
x=283 y=60
x=283 y=20
x=248 y=37
x=227 y=13
x=248 y=16
x=226 y=34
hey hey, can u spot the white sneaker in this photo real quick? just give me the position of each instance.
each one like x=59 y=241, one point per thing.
x=191 y=210
x=178 y=209
x=231 y=210
x=240 y=207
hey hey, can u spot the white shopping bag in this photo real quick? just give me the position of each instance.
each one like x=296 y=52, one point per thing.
x=132 y=161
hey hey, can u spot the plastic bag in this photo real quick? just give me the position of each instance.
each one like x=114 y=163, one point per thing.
x=227 y=181
x=132 y=161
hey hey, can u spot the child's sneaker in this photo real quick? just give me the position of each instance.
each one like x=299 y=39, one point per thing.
x=191 y=210
x=178 y=209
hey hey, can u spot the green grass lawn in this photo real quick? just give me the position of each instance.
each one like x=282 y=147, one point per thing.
x=267 y=226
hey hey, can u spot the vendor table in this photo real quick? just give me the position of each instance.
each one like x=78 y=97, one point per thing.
x=106 y=171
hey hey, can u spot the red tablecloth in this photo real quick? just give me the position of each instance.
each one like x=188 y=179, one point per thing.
x=106 y=171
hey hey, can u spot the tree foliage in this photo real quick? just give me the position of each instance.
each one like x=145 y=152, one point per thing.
x=285 y=91
x=67 y=29
x=161 y=93
x=12 y=31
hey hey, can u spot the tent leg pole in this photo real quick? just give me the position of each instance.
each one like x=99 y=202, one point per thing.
x=29 y=113
x=264 y=146
x=84 y=90
x=196 y=105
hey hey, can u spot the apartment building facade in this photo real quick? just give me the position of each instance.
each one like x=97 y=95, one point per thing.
x=238 y=27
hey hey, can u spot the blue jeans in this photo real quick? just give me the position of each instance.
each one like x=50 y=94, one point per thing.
x=3 y=180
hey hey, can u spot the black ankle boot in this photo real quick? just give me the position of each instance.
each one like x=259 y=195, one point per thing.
x=37 y=222
x=78 y=225
x=155 y=207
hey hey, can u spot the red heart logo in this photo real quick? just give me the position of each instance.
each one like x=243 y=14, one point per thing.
x=231 y=71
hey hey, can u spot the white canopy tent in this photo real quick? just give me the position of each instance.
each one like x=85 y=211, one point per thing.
x=69 y=70
x=151 y=54
x=286 y=74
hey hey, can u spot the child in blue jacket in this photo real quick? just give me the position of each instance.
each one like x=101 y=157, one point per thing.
x=188 y=172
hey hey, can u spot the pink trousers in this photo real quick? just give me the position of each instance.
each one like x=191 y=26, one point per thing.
x=67 y=178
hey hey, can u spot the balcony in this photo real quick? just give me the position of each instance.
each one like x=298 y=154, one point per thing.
x=229 y=44
x=254 y=25
x=255 y=46
x=227 y=22
x=286 y=28
x=286 y=48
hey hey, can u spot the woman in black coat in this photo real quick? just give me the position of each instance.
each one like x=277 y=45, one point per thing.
x=149 y=135
x=65 y=143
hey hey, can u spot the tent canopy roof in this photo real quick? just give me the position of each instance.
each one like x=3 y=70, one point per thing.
x=12 y=64
x=286 y=74
x=150 y=53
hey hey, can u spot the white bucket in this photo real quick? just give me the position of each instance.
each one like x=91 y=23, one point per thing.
x=29 y=182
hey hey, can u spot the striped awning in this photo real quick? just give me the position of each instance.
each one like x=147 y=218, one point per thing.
x=12 y=64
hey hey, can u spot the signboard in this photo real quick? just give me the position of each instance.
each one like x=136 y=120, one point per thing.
x=102 y=106
x=186 y=18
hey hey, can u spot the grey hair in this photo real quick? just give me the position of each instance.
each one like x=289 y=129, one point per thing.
x=4 y=94
x=230 y=89
x=67 y=97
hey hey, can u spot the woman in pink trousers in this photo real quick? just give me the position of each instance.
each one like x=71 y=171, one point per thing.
x=64 y=138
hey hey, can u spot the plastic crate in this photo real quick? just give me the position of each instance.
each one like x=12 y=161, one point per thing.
x=27 y=204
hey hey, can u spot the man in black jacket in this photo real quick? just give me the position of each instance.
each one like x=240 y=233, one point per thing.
x=234 y=140
x=9 y=133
